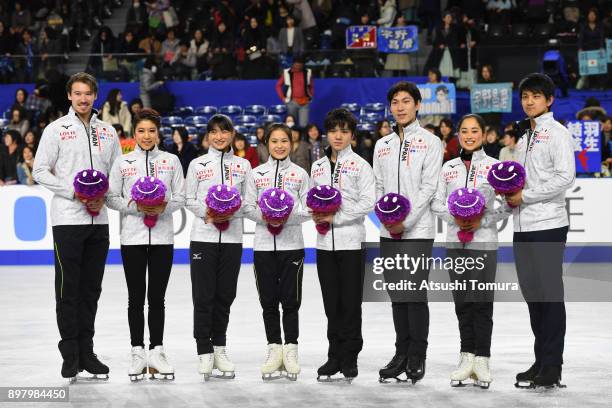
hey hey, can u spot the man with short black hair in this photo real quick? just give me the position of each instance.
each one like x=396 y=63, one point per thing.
x=295 y=88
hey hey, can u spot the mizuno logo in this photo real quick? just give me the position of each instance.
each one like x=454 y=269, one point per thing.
x=197 y=257
x=66 y=126
x=452 y=166
x=261 y=173
x=387 y=141
x=320 y=164
x=130 y=161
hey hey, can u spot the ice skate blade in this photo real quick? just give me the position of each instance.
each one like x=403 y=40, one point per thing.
x=330 y=379
x=391 y=380
x=482 y=384
x=136 y=377
x=459 y=383
x=92 y=377
x=72 y=380
x=524 y=385
x=225 y=375
x=548 y=388
x=162 y=377
x=291 y=376
x=206 y=377
x=272 y=376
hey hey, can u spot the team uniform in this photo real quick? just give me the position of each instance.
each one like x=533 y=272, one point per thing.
x=411 y=168
x=340 y=257
x=215 y=256
x=144 y=248
x=474 y=310
x=540 y=232
x=279 y=261
x=80 y=240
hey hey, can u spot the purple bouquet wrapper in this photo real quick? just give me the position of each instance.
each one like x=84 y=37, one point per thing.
x=149 y=191
x=391 y=209
x=466 y=204
x=90 y=184
x=507 y=177
x=223 y=200
x=323 y=199
x=276 y=206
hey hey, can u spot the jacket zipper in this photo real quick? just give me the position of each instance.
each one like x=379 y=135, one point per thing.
x=529 y=135
x=467 y=175
x=222 y=182
x=147 y=173
x=275 y=184
x=331 y=179
x=89 y=146
x=399 y=161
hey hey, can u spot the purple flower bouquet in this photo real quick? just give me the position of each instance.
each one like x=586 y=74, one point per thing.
x=150 y=192
x=324 y=200
x=507 y=177
x=90 y=184
x=222 y=201
x=391 y=209
x=466 y=204
x=276 y=206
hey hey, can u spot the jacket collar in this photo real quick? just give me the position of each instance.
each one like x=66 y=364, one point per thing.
x=282 y=164
x=342 y=154
x=217 y=153
x=543 y=118
x=411 y=128
x=152 y=152
x=94 y=115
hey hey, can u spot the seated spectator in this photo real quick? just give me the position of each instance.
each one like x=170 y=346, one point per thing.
x=10 y=157
x=203 y=144
x=102 y=48
x=135 y=107
x=31 y=140
x=199 y=46
x=21 y=95
x=262 y=149
x=592 y=109
x=115 y=111
x=25 y=166
x=290 y=120
x=317 y=144
x=256 y=63
x=26 y=66
x=128 y=45
x=290 y=38
x=300 y=152
x=243 y=149
x=383 y=128
x=508 y=152
x=449 y=139
x=184 y=62
x=491 y=146
x=181 y=146
x=19 y=122
x=221 y=54
x=170 y=46
x=150 y=45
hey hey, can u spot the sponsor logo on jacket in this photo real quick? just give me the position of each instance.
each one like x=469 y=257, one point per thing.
x=129 y=171
x=68 y=135
x=383 y=152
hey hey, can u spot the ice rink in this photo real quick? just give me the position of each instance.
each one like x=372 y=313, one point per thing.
x=29 y=355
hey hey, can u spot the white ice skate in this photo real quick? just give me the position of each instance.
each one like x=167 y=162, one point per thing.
x=464 y=370
x=290 y=361
x=138 y=364
x=482 y=372
x=206 y=363
x=273 y=366
x=223 y=364
x=158 y=364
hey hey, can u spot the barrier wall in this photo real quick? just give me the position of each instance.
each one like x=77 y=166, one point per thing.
x=26 y=237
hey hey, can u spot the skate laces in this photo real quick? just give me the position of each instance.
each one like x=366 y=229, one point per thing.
x=482 y=363
x=292 y=354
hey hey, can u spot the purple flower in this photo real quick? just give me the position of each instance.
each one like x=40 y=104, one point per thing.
x=507 y=177
x=276 y=206
x=90 y=184
x=466 y=204
x=391 y=209
x=324 y=199
x=223 y=200
x=150 y=192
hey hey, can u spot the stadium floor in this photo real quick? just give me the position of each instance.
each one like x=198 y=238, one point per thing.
x=30 y=357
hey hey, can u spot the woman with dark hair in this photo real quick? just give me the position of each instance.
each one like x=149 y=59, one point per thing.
x=183 y=148
x=317 y=143
x=591 y=37
x=18 y=121
x=242 y=148
x=256 y=63
x=146 y=248
x=9 y=157
x=474 y=309
x=446 y=51
x=221 y=53
x=103 y=46
x=115 y=111
x=215 y=252
x=25 y=167
x=134 y=107
x=202 y=144
x=31 y=139
x=434 y=76
x=491 y=145
x=279 y=258
x=383 y=128
x=487 y=75
x=449 y=139
x=262 y=149
x=21 y=95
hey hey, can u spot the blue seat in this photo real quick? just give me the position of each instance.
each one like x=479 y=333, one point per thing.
x=256 y=110
x=277 y=110
x=192 y=131
x=172 y=121
x=265 y=119
x=241 y=129
x=253 y=140
x=206 y=110
x=196 y=120
x=354 y=108
x=166 y=132
x=168 y=143
x=251 y=120
x=4 y=122
x=231 y=110
x=372 y=117
x=183 y=111
x=374 y=107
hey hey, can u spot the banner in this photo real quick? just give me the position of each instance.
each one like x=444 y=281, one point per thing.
x=609 y=48
x=593 y=62
x=398 y=40
x=495 y=97
x=360 y=37
x=587 y=138
x=438 y=99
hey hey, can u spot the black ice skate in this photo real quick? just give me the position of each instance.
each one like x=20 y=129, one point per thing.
x=326 y=372
x=349 y=369
x=394 y=369
x=526 y=378
x=415 y=369
x=548 y=378
x=70 y=366
x=89 y=362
